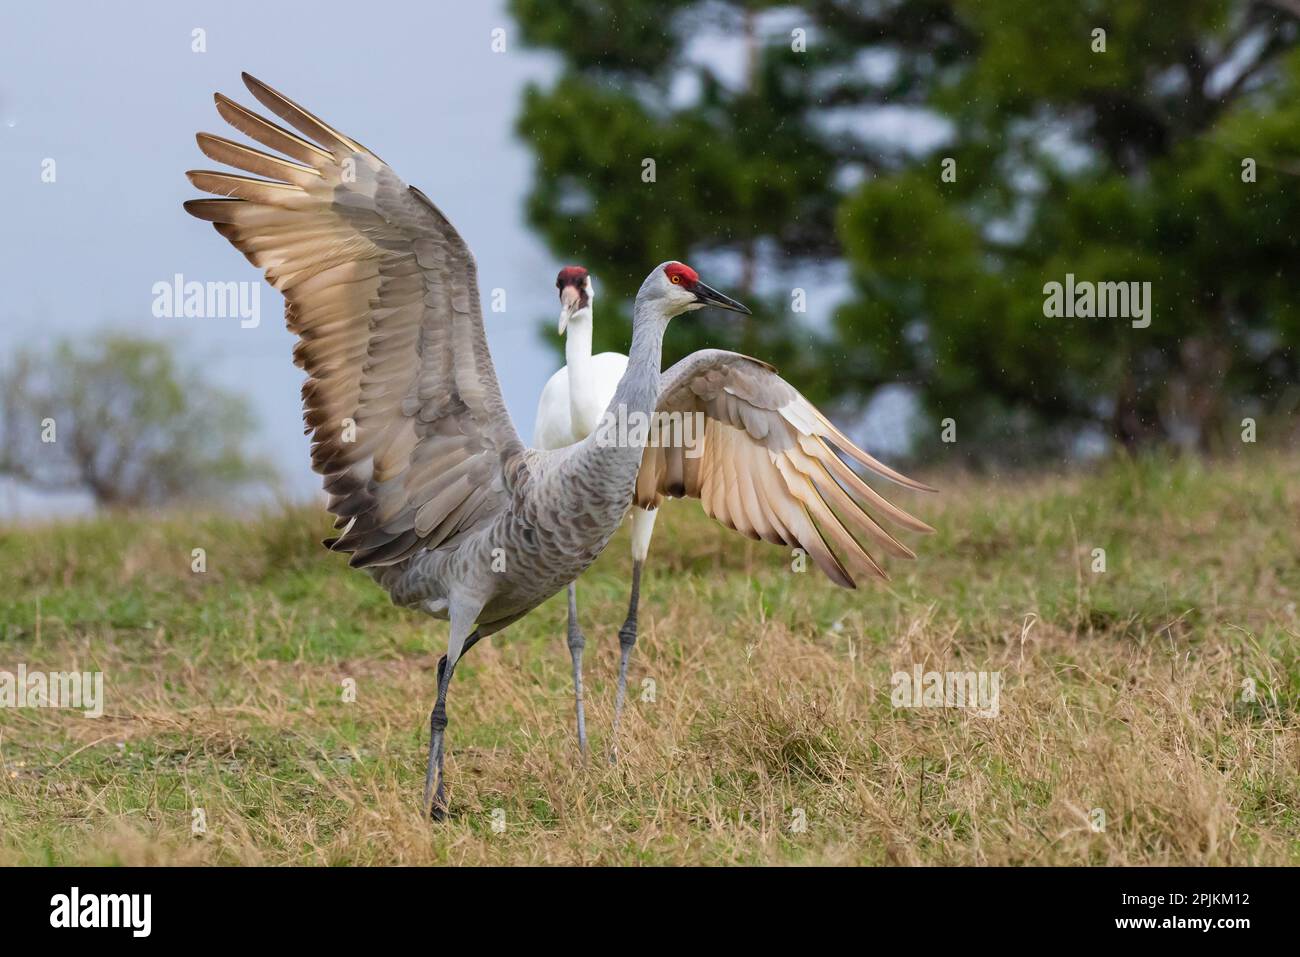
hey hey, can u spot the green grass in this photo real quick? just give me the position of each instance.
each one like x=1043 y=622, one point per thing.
x=771 y=692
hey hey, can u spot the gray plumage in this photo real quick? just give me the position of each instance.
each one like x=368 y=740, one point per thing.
x=433 y=491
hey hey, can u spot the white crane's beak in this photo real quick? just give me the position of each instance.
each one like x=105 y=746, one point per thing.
x=570 y=303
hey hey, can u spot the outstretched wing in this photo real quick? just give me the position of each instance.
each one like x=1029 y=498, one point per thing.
x=766 y=466
x=408 y=425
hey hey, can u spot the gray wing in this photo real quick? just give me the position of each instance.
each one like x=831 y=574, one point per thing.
x=408 y=425
x=767 y=466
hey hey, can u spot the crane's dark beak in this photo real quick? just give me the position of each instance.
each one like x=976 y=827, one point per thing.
x=711 y=297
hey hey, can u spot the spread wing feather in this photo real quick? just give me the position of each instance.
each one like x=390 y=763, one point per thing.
x=766 y=465
x=401 y=398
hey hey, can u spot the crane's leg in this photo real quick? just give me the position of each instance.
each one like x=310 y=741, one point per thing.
x=576 y=644
x=462 y=637
x=643 y=525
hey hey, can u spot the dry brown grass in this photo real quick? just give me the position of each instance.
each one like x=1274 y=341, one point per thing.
x=1121 y=692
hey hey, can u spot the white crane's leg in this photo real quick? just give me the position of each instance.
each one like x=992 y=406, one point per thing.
x=461 y=638
x=643 y=526
x=576 y=644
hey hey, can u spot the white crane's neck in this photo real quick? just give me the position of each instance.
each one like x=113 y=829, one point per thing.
x=583 y=400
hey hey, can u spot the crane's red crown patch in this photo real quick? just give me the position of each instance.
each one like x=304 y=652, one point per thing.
x=571 y=276
x=682 y=274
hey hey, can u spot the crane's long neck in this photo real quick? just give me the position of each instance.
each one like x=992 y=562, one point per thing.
x=583 y=412
x=638 y=390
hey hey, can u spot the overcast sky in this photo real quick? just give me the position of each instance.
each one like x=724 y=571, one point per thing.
x=115 y=97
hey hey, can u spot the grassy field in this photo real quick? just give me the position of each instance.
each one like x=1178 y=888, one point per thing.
x=760 y=727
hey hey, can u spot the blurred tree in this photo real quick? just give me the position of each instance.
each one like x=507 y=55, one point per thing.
x=120 y=418
x=750 y=163
x=1148 y=153
x=1118 y=160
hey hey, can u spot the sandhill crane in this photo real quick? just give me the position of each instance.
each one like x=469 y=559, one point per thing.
x=571 y=405
x=433 y=491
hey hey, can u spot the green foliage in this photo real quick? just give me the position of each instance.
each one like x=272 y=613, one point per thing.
x=1155 y=194
x=745 y=176
x=1117 y=165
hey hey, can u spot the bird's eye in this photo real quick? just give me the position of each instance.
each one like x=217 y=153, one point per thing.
x=675 y=280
